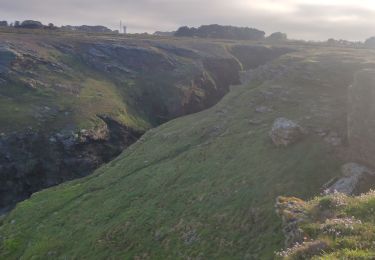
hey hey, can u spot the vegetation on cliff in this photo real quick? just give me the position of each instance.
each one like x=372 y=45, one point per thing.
x=204 y=185
x=333 y=226
x=74 y=101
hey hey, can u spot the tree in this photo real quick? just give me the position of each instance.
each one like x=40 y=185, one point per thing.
x=3 y=23
x=17 y=24
x=184 y=31
x=331 y=41
x=277 y=37
x=370 y=42
x=30 y=24
x=221 y=32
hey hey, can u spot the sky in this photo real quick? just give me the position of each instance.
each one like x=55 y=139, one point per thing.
x=300 y=19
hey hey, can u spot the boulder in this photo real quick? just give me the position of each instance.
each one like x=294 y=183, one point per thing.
x=352 y=181
x=285 y=132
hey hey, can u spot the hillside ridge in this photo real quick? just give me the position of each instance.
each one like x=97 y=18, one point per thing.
x=72 y=103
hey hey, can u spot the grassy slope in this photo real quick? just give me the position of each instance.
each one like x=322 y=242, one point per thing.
x=90 y=92
x=345 y=225
x=84 y=91
x=199 y=186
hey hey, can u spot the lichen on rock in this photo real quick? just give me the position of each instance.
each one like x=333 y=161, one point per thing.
x=292 y=213
x=285 y=132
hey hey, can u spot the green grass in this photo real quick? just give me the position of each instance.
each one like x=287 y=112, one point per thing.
x=201 y=186
x=85 y=91
x=344 y=223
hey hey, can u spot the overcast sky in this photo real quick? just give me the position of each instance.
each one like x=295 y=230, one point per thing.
x=301 y=19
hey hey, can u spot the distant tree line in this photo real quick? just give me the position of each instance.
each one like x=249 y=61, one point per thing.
x=31 y=24
x=277 y=37
x=204 y=31
x=221 y=32
x=370 y=42
x=87 y=28
x=27 y=24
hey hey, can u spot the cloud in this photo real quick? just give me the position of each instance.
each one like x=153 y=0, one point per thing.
x=309 y=19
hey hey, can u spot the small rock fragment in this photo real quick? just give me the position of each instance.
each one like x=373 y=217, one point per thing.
x=263 y=109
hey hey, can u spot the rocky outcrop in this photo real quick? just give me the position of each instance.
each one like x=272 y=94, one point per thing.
x=121 y=58
x=292 y=213
x=285 y=132
x=323 y=221
x=7 y=57
x=361 y=117
x=254 y=56
x=205 y=87
x=220 y=74
x=354 y=179
x=31 y=161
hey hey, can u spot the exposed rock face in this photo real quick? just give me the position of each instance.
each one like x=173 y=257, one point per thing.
x=361 y=117
x=252 y=57
x=7 y=57
x=159 y=80
x=354 y=179
x=285 y=132
x=203 y=89
x=222 y=73
x=122 y=58
x=292 y=212
x=31 y=161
